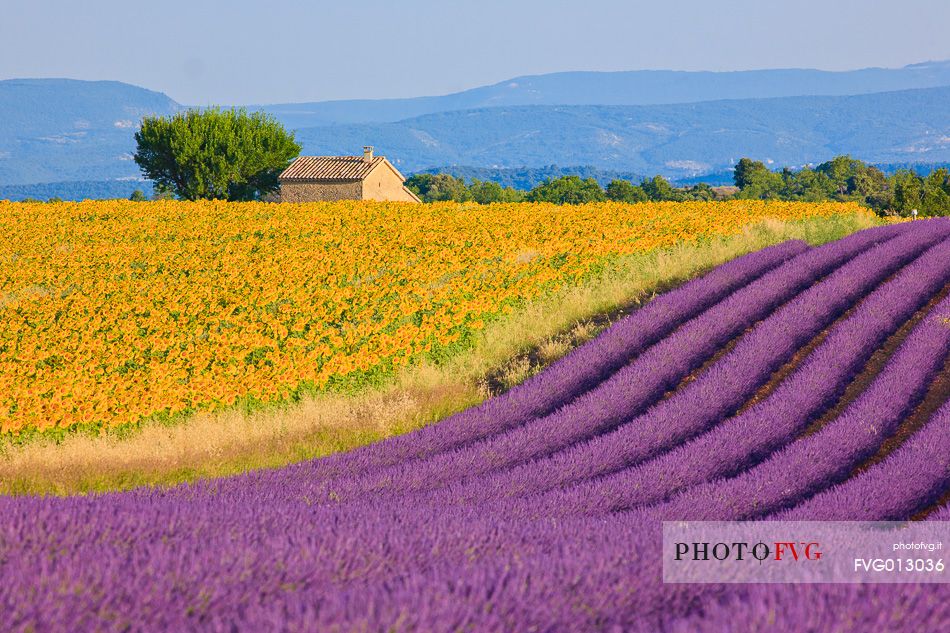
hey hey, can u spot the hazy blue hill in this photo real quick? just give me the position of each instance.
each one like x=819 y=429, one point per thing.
x=920 y=168
x=641 y=87
x=75 y=190
x=34 y=106
x=679 y=140
x=55 y=130
x=62 y=129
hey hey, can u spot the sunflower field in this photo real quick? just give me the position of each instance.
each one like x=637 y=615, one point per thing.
x=115 y=311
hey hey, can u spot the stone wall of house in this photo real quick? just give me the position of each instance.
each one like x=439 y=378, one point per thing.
x=383 y=184
x=319 y=191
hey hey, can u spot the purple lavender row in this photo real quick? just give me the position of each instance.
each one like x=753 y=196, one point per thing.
x=524 y=544
x=911 y=478
x=253 y=566
x=589 y=573
x=815 y=462
x=578 y=371
x=592 y=575
x=597 y=589
x=722 y=388
x=606 y=570
x=599 y=570
x=740 y=442
x=908 y=608
x=942 y=514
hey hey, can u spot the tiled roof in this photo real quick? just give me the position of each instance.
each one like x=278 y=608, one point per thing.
x=330 y=168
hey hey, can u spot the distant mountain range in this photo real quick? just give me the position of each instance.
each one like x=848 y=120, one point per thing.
x=62 y=129
x=679 y=124
x=679 y=140
x=637 y=87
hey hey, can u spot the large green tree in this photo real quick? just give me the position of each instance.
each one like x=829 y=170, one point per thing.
x=908 y=191
x=625 y=191
x=659 y=189
x=936 y=193
x=438 y=188
x=486 y=192
x=806 y=185
x=755 y=180
x=568 y=190
x=867 y=182
x=840 y=170
x=214 y=153
x=746 y=170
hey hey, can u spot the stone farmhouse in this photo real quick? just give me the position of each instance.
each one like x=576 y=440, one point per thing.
x=366 y=177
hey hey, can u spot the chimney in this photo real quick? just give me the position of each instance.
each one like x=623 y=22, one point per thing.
x=367 y=153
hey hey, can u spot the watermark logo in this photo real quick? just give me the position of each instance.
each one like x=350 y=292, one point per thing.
x=804 y=552
x=739 y=550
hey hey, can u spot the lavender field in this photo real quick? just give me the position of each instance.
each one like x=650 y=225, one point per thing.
x=794 y=383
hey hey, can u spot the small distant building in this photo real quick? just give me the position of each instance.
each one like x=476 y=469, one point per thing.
x=321 y=178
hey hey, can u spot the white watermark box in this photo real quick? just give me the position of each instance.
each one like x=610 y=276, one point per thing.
x=805 y=552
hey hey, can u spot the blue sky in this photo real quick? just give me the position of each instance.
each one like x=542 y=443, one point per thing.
x=265 y=51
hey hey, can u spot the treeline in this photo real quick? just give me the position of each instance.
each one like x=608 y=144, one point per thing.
x=843 y=178
x=527 y=178
x=847 y=179
x=840 y=179
x=562 y=190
